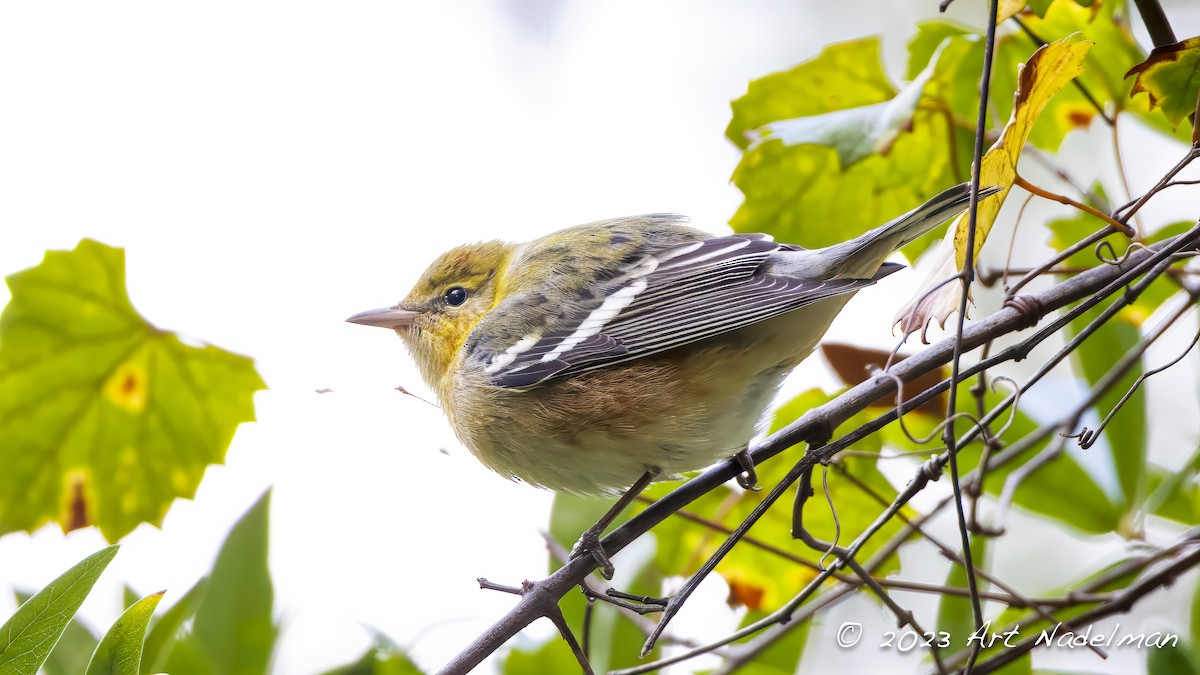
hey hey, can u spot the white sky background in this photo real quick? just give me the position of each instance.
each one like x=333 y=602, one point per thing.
x=271 y=168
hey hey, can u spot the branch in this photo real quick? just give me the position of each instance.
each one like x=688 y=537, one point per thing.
x=1156 y=22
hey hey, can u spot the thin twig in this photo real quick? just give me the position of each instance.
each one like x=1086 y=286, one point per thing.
x=968 y=275
x=1121 y=602
x=1156 y=22
x=1061 y=199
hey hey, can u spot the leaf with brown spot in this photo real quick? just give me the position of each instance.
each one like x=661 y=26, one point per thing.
x=743 y=593
x=104 y=418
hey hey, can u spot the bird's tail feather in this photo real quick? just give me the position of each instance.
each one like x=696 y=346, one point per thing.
x=940 y=208
x=862 y=256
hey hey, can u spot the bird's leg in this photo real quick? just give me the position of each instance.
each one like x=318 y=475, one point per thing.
x=589 y=542
x=748 y=478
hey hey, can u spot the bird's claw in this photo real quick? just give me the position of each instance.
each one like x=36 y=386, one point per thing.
x=589 y=545
x=748 y=478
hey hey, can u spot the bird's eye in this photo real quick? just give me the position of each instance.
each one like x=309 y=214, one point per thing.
x=455 y=296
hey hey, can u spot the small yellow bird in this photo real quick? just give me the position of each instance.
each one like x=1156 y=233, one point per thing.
x=587 y=358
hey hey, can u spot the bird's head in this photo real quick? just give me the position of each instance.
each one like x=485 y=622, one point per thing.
x=437 y=315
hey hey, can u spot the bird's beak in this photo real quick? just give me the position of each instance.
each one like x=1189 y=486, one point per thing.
x=387 y=317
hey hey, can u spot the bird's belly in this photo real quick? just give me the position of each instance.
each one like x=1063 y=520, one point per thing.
x=599 y=431
x=680 y=410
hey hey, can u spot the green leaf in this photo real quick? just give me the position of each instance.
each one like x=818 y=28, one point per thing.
x=783 y=656
x=70 y=656
x=233 y=629
x=1116 y=49
x=796 y=192
x=1031 y=623
x=1173 y=660
x=1116 y=52
x=1022 y=666
x=1060 y=489
x=1170 y=78
x=1194 y=624
x=189 y=657
x=552 y=656
x=1173 y=492
x=129 y=596
x=104 y=418
x=28 y=636
x=1162 y=288
x=1039 y=7
x=767 y=568
x=120 y=652
x=382 y=658
x=1126 y=432
x=843 y=75
x=854 y=132
x=1067 y=231
x=164 y=631
x=955 y=85
x=615 y=641
x=956 y=616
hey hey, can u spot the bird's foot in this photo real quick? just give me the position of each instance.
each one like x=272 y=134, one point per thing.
x=748 y=478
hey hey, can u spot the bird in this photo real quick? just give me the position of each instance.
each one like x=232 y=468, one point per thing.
x=629 y=350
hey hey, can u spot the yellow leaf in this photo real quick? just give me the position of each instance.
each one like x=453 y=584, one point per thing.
x=1041 y=77
x=1010 y=8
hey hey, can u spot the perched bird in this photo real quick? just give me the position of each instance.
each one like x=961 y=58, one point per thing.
x=629 y=347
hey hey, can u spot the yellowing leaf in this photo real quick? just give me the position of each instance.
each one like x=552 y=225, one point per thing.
x=104 y=418
x=1170 y=78
x=1047 y=71
x=1044 y=74
x=1010 y=8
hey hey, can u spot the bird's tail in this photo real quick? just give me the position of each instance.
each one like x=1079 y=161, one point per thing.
x=937 y=210
x=862 y=256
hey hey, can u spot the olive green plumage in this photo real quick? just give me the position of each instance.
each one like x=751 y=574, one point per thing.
x=581 y=360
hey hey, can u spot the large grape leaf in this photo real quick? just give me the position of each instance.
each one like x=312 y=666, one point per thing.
x=105 y=418
x=855 y=133
x=797 y=191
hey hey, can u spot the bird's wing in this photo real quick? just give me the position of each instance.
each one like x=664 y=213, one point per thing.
x=683 y=294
